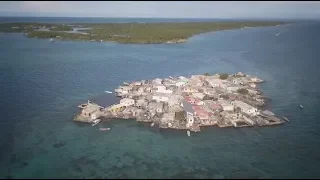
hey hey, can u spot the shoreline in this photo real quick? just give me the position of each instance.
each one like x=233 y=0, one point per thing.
x=193 y=103
x=130 y=33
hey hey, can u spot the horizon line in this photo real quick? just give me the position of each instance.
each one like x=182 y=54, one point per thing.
x=266 y=18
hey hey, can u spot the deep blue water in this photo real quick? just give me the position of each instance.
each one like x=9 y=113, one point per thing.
x=42 y=83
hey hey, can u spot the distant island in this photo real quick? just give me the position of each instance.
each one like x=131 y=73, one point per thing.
x=221 y=100
x=138 y=33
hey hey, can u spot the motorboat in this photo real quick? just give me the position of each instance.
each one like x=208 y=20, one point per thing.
x=188 y=132
x=301 y=106
x=51 y=40
x=95 y=122
x=286 y=119
x=104 y=129
x=109 y=92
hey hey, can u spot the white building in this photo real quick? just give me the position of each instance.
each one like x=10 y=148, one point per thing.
x=157 y=81
x=209 y=91
x=198 y=95
x=180 y=84
x=160 y=97
x=237 y=81
x=226 y=106
x=246 y=108
x=137 y=83
x=174 y=100
x=216 y=82
x=127 y=102
x=190 y=89
x=232 y=88
x=252 y=85
x=163 y=89
x=140 y=89
x=140 y=102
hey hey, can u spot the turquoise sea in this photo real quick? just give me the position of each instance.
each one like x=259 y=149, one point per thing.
x=42 y=83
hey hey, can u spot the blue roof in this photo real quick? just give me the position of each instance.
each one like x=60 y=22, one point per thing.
x=187 y=107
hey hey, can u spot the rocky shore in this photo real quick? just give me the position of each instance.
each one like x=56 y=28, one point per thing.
x=221 y=100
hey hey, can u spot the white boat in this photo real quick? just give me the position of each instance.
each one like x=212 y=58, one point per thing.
x=109 y=92
x=51 y=40
x=188 y=132
x=286 y=119
x=104 y=129
x=301 y=106
x=95 y=122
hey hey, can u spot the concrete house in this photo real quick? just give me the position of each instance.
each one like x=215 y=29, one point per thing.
x=160 y=87
x=226 y=106
x=116 y=108
x=189 y=113
x=180 y=84
x=198 y=95
x=140 y=89
x=160 y=97
x=215 y=82
x=209 y=91
x=237 y=81
x=232 y=88
x=174 y=100
x=190 y=89
x=165 y=91
x=140 y=103
x=137 y=83
x=159 y=107
x=252 y=85
x=245 y=108
x=157 y=81
x=127 y=102
x=91 y=111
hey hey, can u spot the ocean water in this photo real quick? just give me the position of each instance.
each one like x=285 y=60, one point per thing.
x=42 y=83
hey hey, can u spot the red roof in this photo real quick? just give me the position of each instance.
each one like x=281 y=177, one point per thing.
x=200 y=112
x=191 y=100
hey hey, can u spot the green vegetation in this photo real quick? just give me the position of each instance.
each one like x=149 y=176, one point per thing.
x=224 y=76
x=61 y=28
x=206 y=74
x=243 y=91
x=145 y=33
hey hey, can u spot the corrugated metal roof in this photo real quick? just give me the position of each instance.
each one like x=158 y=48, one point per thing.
x=187 y=107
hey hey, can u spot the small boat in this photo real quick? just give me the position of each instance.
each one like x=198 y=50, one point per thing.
x=104 y=129
x=152 y=124
x=51 y=40
x=109 y=92
x=301 y=106
x=286 y=119
x=95 y=122
x=188 y=132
